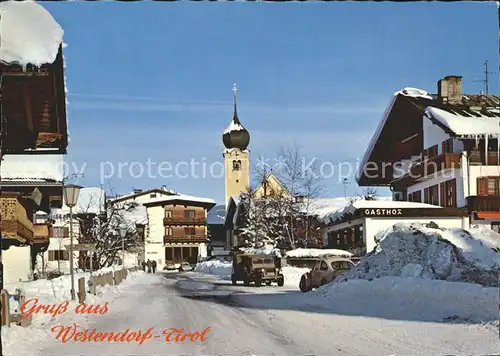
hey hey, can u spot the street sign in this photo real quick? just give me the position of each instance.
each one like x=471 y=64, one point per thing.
x=82 y=247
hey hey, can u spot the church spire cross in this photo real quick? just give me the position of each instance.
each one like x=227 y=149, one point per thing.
x=235 y=114
x=235 y=91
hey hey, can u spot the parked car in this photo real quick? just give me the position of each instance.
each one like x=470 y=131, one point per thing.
x=171 y=266
x=324 y=271
x=185 y=267
x=257 y=269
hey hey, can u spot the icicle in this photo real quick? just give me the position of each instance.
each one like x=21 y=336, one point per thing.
x=486 y=149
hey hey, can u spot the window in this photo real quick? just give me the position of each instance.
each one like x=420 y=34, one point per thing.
x=431 y=195
x=451 y=193
x=341 y=265
x=60 y=232
x=168 y=231
x=237 y=165
x=189 y=213
x=323 y=266
x=152 y=195
x=58 y=255
x=189 y=231
x=168 y=214
x=415 y=196
x=447 y=145
x=488 y=185
x=432 y=151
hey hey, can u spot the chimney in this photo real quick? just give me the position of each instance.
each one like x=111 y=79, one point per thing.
x=164 y=188
x=450 y=89
x=136 y=191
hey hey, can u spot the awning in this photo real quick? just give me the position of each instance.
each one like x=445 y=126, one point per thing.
x=489 y=215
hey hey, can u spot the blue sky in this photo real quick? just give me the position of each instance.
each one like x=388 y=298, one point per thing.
x=153 y=80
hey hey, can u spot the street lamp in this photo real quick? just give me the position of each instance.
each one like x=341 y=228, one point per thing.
x=123 y=233
x=71 y=193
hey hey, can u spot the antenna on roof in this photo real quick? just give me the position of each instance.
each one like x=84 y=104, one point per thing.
x=485 y=80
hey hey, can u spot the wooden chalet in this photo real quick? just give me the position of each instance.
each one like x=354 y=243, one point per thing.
x=441 y=149
x=177 y=228
x=33 y=122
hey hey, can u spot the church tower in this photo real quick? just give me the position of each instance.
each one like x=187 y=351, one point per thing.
x=236 y=156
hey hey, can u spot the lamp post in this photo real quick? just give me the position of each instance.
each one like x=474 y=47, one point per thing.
x=123 y=233
x=71 y=193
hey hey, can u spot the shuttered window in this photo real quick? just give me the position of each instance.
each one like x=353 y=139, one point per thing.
x=488 y=186
x=447 y=146
x=432 y=151
x=426 y=196
x=58 y=255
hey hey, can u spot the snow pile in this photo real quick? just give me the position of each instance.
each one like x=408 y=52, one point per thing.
x=411 y=299
x=414 y=92
x=32 y=167
x=316 y=252
x=465 y=125
x=415 y=251
x=30 y=35
x=216 y=268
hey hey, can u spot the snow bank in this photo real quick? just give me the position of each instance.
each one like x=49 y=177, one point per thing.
x=30 y=35
x=195 y=286
x=317 y=252
x=412 y=299
x=416 y=251
x=216 y=268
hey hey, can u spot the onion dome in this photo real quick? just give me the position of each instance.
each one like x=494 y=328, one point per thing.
x=235 y=135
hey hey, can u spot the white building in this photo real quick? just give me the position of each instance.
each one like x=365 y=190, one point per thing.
x=440 y=149
x=177 y=228
x=91 y=202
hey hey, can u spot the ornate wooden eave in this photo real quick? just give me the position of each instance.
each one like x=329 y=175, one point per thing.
x=34 y=107
x=42 y=233
x=15 y=223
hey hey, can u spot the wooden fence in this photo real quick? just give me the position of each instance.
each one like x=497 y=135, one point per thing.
x=111 y=278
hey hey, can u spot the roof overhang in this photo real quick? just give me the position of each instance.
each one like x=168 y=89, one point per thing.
x=180 y=201
x=398 y=136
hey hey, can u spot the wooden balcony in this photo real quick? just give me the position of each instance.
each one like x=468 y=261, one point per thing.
x=42 y=233
x=477 y=157
x=485 y=203
x=184 y=221
x=14 y=220
x=425 y=169
x=182 y=238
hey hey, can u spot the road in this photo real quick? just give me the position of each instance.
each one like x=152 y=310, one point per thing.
x=259 y=321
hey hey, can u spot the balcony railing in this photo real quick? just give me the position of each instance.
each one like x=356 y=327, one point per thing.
x=478 y=157
x=183 y=220
x=15 y=223
x=430 y=166
x=184 y=238
x=487 y=203
x=42 y=233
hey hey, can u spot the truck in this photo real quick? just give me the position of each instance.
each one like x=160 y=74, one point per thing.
x=257 y=269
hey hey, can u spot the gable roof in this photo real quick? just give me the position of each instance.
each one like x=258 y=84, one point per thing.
x=180 y=199
x=141 y=193
x=393 y=139
x=273 y=181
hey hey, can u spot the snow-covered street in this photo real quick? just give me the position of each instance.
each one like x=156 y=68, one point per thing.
x=268 y=321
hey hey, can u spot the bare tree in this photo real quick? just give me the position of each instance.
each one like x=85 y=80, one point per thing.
x=369 y=193
x=103 y=229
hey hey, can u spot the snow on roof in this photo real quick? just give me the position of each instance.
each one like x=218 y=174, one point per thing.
x=136 y=214
x=324 y=206
x=317 y=252
x=30 y=35
x=179 y=197
x=91 y=200
x=233 y=126
x=216 y=215
x=229 y=150
x=144 y=192
x=463 y=125
x=32 y=167
x=371 y=204
x=414 y=92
